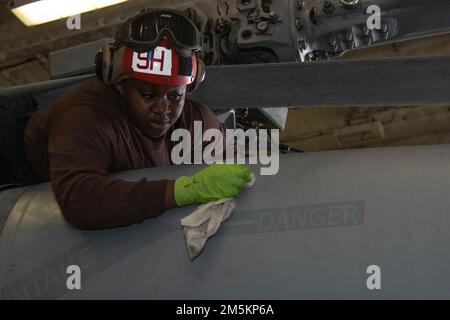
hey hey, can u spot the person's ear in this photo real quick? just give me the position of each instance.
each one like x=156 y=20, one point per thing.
x=120 y=87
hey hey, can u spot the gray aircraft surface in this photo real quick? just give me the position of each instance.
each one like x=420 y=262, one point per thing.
x=323 y=226
x=311 y=231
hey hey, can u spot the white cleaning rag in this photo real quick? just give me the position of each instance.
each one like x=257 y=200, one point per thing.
x=204 y=222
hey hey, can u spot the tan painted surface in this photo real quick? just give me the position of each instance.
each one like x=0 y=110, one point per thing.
x=318 y=128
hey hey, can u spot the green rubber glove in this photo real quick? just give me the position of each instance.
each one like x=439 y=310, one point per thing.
x=215 y=182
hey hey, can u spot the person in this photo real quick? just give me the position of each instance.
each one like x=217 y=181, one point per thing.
x=123 y=121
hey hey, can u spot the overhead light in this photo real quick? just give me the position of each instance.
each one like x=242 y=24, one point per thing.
x=34 y=12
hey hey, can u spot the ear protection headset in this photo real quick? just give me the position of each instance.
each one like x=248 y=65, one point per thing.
x=109 y=59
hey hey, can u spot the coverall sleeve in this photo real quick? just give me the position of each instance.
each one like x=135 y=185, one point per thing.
x=80 y=151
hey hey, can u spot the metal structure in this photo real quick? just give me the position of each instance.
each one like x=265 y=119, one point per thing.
x=311 y=231
x=394 y=82
x=262 y=31
x=247 y=32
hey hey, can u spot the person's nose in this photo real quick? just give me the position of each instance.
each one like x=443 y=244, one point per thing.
x=161 y=106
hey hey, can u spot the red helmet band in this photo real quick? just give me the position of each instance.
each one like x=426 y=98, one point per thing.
x=162 y=65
